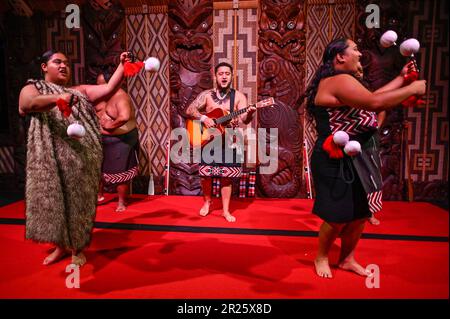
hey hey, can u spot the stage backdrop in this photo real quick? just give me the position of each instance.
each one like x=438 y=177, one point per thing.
x=235 y=41
x=147 y=36
x=325 y=21
x=428 y=136
x=189 y=37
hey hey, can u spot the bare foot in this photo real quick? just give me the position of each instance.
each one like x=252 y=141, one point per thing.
x=352 y=265
x=56 y=255
x=205 y=208
x=374 y=221
x=79 y=259
x=323 y=268
x=230 y=218
x=121 y=207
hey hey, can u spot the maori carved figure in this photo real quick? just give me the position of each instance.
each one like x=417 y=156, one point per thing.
x=381 y=65
x=103 y=27
x=191 y=48
x=282 y=44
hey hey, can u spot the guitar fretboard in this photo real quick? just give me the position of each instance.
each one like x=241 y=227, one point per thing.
x=232 y=115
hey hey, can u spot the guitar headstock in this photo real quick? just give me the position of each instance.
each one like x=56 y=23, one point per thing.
x=266 y=102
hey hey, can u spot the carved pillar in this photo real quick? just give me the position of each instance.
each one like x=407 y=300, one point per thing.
x=281 y=72
x=190 y=47
x=103 y=27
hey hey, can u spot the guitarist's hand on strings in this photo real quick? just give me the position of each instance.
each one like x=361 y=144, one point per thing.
x=251 y=109
x=208 y=122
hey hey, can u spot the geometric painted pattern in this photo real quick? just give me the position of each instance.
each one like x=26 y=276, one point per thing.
x=325 y=21
x=317 y=37
x=147 y=36
x=68 y=41
x=243 y=57
x=245 y=61
x=343 y=19
x=428 y=140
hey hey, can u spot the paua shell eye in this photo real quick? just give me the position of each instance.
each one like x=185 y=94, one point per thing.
x=273 y=25
x=176 y=27
x=204 y=25
x=291 y=25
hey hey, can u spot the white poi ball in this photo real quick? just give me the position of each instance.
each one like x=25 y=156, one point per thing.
x=388 y=39
x=340 y=138
x=76 y=130
x=352 y=148
x=409 y=47
x=152 y=64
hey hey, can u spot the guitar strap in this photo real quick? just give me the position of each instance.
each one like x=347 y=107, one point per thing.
x=232 y=94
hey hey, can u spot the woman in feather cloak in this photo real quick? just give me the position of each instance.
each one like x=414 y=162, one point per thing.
x=62 y=172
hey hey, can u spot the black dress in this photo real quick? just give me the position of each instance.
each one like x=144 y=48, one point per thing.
x=347 y=189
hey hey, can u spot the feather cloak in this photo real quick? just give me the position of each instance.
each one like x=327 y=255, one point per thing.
x=63 y=173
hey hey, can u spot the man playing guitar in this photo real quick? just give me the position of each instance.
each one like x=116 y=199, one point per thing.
x=207 y=101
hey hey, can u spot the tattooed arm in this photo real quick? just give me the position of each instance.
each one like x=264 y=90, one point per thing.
x=196 y=106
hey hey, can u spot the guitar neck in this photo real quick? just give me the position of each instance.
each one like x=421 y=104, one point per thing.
x=230 y=116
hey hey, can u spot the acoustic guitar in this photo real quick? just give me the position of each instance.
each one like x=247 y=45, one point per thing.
x=199 y=135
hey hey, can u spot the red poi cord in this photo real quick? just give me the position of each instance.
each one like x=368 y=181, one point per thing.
x=64 y=107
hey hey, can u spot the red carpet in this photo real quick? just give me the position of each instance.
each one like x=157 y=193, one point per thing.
x=402 y=218
x=188 y=263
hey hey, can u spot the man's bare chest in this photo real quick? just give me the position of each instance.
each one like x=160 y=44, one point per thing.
x=215 y=101
x=109 y=107
x=100 y=107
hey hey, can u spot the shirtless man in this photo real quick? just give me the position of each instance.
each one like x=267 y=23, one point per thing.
x=120 y=141
x=205 y=102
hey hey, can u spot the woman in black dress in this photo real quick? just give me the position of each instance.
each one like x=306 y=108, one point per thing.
x=348 y=190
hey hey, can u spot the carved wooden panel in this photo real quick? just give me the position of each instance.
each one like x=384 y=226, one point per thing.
x=428 y=140
x=191 y=49
x=104 y=36
x=281 y=75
